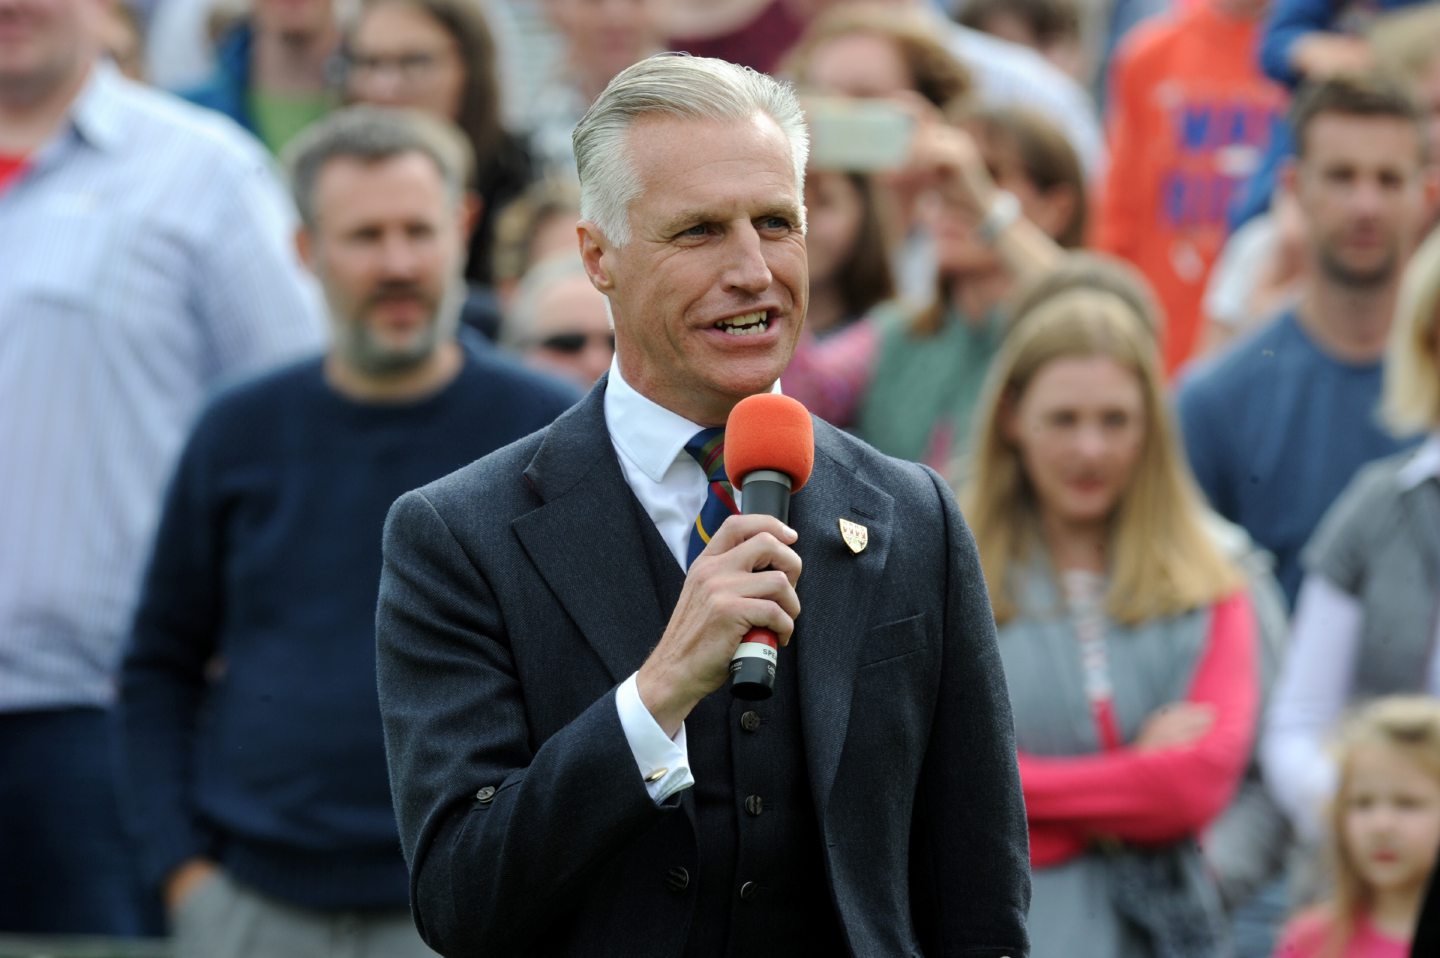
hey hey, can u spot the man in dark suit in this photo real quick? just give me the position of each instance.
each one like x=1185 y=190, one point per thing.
x=568 y=779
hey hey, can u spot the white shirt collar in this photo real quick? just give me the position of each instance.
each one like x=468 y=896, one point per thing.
x=97 y=113
x=647 y=433
x=1424 y=464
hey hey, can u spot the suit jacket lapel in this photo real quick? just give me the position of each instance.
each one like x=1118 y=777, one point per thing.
x=836 y=588
x=587 y=545
x=585 y=542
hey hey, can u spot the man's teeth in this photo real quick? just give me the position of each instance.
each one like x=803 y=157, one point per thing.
x=748 y=325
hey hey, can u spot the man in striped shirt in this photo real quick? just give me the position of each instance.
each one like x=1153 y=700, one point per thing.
x=144 y=257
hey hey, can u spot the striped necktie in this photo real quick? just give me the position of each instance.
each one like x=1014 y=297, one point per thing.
x=707 y=447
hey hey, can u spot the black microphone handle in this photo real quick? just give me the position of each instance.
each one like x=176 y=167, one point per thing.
x=764 y=492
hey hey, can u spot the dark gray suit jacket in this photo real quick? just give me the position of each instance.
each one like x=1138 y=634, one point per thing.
x=516 y=596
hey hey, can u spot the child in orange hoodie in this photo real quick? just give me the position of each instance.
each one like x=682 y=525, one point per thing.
x=1190 y=116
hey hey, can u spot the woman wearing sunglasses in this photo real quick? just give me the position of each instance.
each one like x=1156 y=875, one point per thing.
x=558 y=322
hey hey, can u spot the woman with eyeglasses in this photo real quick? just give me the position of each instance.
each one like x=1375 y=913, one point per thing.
x=439 y=56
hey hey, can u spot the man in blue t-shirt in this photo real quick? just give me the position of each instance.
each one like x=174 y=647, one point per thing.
x=1277 y=425
x=253 y=758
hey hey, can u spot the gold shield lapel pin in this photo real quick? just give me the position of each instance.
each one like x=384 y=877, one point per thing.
x=855 y=535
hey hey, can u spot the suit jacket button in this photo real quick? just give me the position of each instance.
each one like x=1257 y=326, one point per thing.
x=748 y=891
x=485 y=794
x=750 y=721
x=677 y=879
x=754 y=804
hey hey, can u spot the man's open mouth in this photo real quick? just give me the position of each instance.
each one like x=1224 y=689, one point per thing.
x=750 y=324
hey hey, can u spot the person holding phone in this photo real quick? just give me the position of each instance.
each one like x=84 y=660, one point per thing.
x=912 y=375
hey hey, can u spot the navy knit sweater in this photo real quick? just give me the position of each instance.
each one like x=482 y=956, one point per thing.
x=251 y=729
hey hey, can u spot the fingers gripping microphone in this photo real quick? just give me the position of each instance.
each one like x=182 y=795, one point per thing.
x=769 y=451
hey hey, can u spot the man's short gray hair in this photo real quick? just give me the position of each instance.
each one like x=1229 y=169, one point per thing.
x=679 y=86
x=373 y=134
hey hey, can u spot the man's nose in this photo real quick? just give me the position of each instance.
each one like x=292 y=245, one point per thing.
x=1368 y=198
x=747 y=268
x=397 y=256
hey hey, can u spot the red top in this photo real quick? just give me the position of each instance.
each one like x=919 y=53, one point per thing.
x=1159 y=795
x=1307 y=934
x=10 y=169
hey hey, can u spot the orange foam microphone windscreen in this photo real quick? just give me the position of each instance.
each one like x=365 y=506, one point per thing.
x=769 y=431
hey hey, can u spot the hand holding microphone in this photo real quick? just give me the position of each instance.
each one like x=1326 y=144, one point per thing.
x=769 y=452
x=744 y=581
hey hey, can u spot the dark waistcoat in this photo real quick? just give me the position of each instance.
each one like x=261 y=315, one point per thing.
x=761 y=887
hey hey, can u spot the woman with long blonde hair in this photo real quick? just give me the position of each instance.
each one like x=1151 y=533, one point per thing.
x=1126 y=624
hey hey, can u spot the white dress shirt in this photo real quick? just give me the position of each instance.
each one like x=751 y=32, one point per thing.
x=1314 y=688
x=146 y=257
x=649 y=441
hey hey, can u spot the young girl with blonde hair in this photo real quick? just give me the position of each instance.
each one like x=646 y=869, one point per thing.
x=1384 y=834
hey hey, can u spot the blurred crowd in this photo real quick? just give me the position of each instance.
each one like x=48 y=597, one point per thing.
x=1153 y=283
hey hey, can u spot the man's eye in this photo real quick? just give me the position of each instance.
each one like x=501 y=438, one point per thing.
x=775 y=223
x=699 y=229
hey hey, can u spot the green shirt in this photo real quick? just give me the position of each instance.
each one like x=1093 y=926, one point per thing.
x=923 y=393
x=279 y=116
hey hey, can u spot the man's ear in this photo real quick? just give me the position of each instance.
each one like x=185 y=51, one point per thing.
x=305 y=248
x=1430 y=185
x=472 y=207
x=595 y=254
x=1289 y=178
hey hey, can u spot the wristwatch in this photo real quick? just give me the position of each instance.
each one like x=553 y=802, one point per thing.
x=1004 y=210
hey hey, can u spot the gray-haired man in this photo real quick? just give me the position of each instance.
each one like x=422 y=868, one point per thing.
x=567 y=778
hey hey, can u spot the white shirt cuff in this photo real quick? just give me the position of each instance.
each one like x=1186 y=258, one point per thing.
x=664 y=763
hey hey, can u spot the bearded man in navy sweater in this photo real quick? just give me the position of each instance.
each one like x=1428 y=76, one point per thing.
x=253 y=762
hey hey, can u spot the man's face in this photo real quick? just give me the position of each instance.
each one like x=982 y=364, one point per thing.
x=1363 y=193
x=709 y=294
x=45 y=44
x=387 y=248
